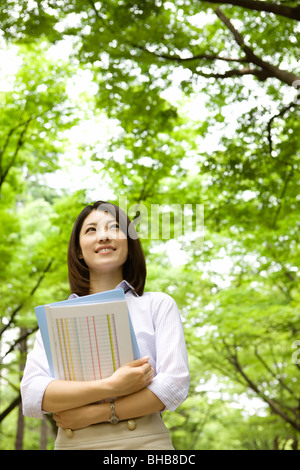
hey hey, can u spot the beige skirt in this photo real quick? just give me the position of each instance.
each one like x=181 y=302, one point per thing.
x=150 y=434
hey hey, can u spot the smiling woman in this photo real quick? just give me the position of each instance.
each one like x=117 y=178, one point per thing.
x=122 y=411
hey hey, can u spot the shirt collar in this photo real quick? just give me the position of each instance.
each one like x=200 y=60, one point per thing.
x=123 y=285
x=127 y=287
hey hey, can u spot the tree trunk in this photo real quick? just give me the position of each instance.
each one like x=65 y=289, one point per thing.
x=20 y=429
x=43 y=442
x=20 y=426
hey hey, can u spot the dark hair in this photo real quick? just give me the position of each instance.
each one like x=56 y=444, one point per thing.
x=134 y=268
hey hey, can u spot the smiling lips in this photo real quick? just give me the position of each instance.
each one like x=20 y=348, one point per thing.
x=105 y=249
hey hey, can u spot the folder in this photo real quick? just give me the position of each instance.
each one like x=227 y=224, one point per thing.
x=89 y=337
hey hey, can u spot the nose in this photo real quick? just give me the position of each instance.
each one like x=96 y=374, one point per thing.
x=102 y=234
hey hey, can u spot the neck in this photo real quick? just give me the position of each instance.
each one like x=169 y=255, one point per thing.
x=105 y=281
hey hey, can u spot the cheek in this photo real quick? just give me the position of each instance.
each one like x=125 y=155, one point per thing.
x=83 y=245
x=124 y=247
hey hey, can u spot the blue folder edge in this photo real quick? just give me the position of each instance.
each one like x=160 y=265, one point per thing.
x=107 y=296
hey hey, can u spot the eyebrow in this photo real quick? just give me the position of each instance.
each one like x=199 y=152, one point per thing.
x=90 y=223
x=94 y=224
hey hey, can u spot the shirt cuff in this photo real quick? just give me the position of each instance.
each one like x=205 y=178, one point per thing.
x=32 y=402
x=170 y=394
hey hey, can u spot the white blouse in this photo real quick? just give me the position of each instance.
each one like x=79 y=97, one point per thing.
x=159 y=332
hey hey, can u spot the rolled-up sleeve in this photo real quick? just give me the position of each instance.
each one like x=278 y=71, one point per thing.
x=36 y=378
x=172 y=379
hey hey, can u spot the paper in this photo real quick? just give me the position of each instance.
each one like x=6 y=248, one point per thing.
x=89 y=337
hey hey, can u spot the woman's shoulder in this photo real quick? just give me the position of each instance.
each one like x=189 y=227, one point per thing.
x=158 y=299
x=157 y=295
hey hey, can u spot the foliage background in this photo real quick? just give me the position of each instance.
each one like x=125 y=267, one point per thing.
x=163 y=103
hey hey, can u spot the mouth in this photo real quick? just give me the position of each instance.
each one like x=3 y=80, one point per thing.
x=105 y=249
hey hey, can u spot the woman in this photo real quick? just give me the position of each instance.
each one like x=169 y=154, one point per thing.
x=105 y=253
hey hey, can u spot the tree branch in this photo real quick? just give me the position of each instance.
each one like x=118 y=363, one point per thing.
x=100 y=17
x=280 y=114
x=19 y=340
x=10 y=407
x=258 y=5
x=233 y=359
x=14 y=157
x=271 y=372
x=287 y=180
x=177 y=58
x=260 y=74
x=30 y=295
x=287 y=273
x=10 y=133
x=272 y=71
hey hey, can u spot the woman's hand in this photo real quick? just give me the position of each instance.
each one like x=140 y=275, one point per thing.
x=82 y=417
x=131 y=377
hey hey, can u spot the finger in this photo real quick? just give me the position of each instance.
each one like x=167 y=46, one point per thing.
x=146 y=367
x=149 y=373
x=138 y=362
x=149 y=378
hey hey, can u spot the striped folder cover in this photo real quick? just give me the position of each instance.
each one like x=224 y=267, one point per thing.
x=87 y=338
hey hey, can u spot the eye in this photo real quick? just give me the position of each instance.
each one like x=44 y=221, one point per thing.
x=90 y=229
x=114 y=225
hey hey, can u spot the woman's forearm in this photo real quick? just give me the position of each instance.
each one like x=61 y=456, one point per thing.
x=136 y=405
x=63 y=395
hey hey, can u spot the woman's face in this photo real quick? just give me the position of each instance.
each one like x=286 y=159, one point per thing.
x=104 y=246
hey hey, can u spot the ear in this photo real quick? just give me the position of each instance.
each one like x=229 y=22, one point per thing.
x=79 y=255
